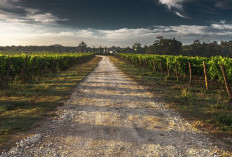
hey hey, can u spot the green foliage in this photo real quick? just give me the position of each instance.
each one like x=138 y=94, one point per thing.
x=212 y=63
x=34 y=65
x=225 y=119
x=165 y=46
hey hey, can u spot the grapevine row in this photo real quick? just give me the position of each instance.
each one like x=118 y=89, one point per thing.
x=182 y=65
x=23 y=66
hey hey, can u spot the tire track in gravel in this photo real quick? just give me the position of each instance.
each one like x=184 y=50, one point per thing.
x=110 y=115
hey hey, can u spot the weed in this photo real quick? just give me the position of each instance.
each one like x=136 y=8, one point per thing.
x=185 y=93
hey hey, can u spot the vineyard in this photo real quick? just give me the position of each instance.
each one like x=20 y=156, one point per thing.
x=23 y=67
x=212 y=68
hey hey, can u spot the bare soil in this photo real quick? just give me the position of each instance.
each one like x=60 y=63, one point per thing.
x=109 y=114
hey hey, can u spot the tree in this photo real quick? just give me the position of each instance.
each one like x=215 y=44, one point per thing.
x=165 y=46
x=82 y=47
x=100 y=49
x=105 y=50
x=137 y=48
x=128 y=50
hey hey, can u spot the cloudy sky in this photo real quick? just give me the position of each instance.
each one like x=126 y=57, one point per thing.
x=113 y=22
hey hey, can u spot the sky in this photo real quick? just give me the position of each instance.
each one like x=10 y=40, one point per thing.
x=113 y=22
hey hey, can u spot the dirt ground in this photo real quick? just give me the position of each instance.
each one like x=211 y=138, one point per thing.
x=109 y=114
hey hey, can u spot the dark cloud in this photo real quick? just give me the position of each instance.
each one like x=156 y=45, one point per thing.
x=115 y=14
x=120 y=21
x=13 y=10
x=224 y=4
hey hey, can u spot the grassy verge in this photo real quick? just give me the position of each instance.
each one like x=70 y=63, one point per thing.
x=22 y=105
x=207 y=110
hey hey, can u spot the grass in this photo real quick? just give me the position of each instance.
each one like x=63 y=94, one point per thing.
x=208 y=110
x=22 y=105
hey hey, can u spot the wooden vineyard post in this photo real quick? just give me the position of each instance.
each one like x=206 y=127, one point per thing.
x=0 y=78
x=23 y=69
x=139 y=62
x=226 y=82
x=57 y=66
x=177 y=74
x=161 y=68
x=154 y=66
x=33 y=66
x=190 y=73
x=206 y=77
x=8 y=72
x=168 y=70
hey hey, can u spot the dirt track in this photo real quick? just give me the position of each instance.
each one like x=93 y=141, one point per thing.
x=110 y=115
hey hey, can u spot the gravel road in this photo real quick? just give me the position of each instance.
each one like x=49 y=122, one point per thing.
x=109 y=114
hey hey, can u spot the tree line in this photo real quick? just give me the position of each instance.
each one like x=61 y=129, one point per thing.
x=82 y=47
x=161 y=46
x=52 y=48
x=164 y=46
